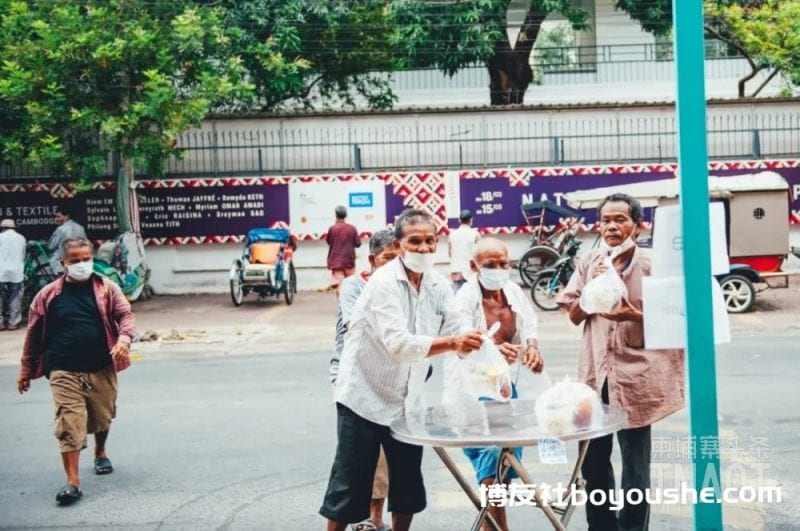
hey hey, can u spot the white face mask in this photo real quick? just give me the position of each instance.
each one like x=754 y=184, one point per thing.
x=493 y=279
x=80 y=271
x=418 y=262
x=626 y=245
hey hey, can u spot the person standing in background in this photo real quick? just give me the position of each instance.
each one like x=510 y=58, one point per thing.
x=12 y=274
x=460 y=247
x=67 y=228
x=342 y=241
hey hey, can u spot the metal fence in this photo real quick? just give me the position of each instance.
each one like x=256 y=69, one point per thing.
x=466 y=140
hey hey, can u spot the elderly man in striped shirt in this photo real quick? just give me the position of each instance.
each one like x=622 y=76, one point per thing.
x=404 y=316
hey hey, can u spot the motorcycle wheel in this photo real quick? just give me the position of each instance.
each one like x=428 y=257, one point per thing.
x=545 y=289
x=534 y=260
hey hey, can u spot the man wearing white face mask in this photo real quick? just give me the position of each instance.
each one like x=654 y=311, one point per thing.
x=483 y=301
x=404 y=316
x=648 y=385
x=79 y=333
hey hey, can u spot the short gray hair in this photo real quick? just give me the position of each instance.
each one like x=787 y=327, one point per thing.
x=341 y=212
x=488 y=244
x=412 y=216
x=380 y=241
x=75 y=243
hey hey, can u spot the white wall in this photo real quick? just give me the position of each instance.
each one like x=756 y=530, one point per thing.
x=189 y=269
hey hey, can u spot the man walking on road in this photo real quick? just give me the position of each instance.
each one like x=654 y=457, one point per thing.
x=648 y=385
x=342 y=241
x=12 y=274
x=67 y=228
x=79 y=333
x=404 y=316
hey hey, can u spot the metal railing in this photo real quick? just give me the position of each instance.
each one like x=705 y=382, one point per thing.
x=467 y=142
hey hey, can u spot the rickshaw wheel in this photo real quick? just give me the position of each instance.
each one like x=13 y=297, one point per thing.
x=290 y=288
x=237 y=293
x=542 y=294
x=534 y=260
x=739 y=293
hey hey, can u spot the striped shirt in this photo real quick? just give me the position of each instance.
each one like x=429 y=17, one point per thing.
x=349 y=292
x=383 y=365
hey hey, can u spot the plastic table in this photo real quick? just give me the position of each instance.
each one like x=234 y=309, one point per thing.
x=506 y=425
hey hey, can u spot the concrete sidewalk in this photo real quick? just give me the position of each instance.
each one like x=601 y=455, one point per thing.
x=211 y=325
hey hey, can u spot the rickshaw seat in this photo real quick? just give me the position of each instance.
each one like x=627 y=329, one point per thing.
x=265 y=253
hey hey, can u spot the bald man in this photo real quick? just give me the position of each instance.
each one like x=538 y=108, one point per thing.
x=489 y=298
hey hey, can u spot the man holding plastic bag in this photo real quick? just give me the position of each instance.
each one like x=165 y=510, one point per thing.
x=492 y=301
x=404 y=315
x=605 y=293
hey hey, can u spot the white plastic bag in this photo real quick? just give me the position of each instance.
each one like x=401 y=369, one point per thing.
x=486 y=372
x=568 y=407
x=604 y=292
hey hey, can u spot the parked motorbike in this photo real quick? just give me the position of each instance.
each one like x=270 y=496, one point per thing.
x=548 y=283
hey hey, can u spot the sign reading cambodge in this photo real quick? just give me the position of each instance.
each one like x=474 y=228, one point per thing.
x=218 y=210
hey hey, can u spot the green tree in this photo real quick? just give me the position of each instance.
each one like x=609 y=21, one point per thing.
x=81 y=79
x=450 y=36
x=307 y=52
x=767 y=33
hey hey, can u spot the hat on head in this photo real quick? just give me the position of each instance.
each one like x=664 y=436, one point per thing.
x=8 y=224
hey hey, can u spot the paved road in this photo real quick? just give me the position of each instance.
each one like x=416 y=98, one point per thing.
x=245 y=441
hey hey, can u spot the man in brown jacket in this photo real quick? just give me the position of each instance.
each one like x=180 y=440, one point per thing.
x=648 y=385
x=79 y=333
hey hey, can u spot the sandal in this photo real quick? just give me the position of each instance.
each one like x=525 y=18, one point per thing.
x=102 y=466
x=68 y=494
x=366 y=525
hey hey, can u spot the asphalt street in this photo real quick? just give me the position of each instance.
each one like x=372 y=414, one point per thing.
x=245 y=441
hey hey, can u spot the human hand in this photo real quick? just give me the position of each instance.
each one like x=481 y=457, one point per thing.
x=625 y=312
x=120 y=351
x=23 y=384
x=467 y=342
x=599 y=267
x=532 y=359
x=510 y=352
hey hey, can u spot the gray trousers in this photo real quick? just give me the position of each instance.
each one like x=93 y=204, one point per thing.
x=634 y=445
x=10 y=303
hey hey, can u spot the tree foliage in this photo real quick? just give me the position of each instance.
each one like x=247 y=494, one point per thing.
x=306 y=52
x=81 y=79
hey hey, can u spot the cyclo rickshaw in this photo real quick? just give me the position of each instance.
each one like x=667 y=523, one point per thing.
x=757 y=227
x=265 y=266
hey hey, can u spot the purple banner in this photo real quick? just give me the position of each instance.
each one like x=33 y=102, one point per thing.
x=212 y=210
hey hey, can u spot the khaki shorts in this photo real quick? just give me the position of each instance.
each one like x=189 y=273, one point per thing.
x=84 y=403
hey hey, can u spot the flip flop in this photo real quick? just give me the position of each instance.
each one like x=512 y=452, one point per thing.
x=366 y=525
x=102 y=466
x=68 y=494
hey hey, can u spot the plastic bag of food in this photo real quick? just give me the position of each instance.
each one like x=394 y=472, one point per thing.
x=568 y=407
x=486 y=372
x=604 y=292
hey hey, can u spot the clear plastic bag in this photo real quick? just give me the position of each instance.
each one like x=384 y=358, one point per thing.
x=568 y=407
x=604 y=292
x=486 y=372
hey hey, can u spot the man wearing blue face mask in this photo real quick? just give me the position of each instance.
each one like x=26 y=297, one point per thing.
x=492 y=298
x=79 y=333
x=404 y=316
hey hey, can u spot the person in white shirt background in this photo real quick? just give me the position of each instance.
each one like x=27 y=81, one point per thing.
x=492 y=298
x=460 y=247
x=404 y=316
x=67 y=228
x=12 y=265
